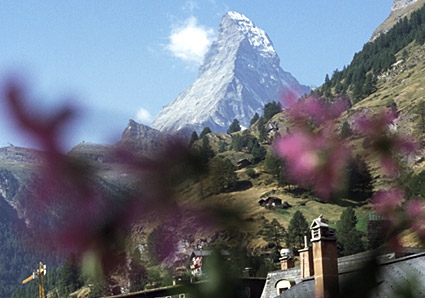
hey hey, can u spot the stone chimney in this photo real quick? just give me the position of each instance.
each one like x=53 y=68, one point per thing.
x=286 y=259
x=325 y=258
x=306 y=260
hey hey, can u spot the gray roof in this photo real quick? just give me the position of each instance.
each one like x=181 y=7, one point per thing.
x=273 y=277
x=388 y=278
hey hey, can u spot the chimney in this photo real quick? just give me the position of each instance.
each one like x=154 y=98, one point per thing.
x=286 y=260
x=306 y=260
x=325 y=256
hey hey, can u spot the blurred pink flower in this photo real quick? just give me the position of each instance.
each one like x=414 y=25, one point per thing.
x=415 y=211
x=314 y=152
x=388 y=202
x=315 y=159
x=382 y=141
x=70 y=208
x=46 y=130
x=313 y=111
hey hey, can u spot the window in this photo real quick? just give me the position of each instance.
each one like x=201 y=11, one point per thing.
x=282 y=285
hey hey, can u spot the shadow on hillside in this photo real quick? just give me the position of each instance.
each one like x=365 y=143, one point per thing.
x=241 y=185
x=299 y=192
x=352 y=199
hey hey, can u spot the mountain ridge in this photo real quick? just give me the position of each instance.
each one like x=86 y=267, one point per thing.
x=399 y=9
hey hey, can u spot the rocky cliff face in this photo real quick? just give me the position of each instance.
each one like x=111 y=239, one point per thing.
x=144 y=139
x=399 y=10
x=240 y=74
x=17 y=171
x=401 y=4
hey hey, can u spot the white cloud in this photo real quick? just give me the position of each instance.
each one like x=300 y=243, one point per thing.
x=190 y=41
x=143 y=116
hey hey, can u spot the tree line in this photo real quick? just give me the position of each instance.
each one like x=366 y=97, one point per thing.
x=360 y=77
x=349 y=239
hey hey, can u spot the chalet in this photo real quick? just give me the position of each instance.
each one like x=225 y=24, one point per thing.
x=270 y=202
x=322 y=274
x=243 y=163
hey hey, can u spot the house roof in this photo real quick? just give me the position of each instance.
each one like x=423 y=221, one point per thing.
x=274 y=277
x=369 y=278
x=208 y=252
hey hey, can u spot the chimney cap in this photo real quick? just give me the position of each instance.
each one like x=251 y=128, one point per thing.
x=320 y=230
x=319 y=222
x=286 y=253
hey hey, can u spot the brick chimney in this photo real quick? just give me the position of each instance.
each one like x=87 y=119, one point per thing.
x=325 y=257
x=306 y=260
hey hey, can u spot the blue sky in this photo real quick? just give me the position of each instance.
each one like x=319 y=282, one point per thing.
x=121 y=60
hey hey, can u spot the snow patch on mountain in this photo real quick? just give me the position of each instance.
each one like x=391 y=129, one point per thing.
x=241 y=73
x=401 y=4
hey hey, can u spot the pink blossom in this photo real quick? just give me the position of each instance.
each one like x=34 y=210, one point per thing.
x=381 y=143
x=301 y=152
x=313 y=111
x=68 y=208
x=46 y=130
x=314 y=152
x=388 y=202
x=415 y=211
x=315 y=160
x=375 y=125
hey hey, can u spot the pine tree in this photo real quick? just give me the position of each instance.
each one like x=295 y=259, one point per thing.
x=223 y=175
x=276 y=166
x=274 y=234
x=421 y=112
x=221 y=146
x=258 y=151
x=346 y=130
x=348 y=238
x=254 y=119
x=262 y=132
x=298 y=228
x=206 y=151
x=70 y=276
x=360 y=180
x=271 y=109
x=237 y=144
x=369 y=85
x=234 y=127
x=194 y=137
x=204 y=132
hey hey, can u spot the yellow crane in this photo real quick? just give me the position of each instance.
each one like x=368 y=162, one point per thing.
x=39 y=273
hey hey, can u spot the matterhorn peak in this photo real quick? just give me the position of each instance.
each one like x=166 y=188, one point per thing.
x=239 y=75
x=256 y=36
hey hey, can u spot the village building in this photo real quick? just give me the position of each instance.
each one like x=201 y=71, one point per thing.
x=322 y=274
x=270 y=202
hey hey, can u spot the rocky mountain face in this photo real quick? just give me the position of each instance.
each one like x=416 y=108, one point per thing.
x=240 y=74
x=401 y=4
x=144 y=139
x=20 y=167
x=399 y=10
x=16 y=173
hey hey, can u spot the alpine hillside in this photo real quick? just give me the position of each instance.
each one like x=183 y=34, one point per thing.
x=220 y=189
x=240 y=74
x=399 y=9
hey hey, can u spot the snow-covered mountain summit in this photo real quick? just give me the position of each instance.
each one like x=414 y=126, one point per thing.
x=240 y=74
